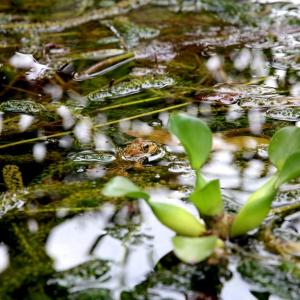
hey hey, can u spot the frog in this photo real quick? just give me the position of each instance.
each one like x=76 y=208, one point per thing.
x=135 y=155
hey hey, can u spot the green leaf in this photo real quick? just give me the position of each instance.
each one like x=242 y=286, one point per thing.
x=194 y=250
x=290 y=169
x=122 y=187
x=194 y=135
x=284 y=143
x=208 y=199
x=200 y=181
x=177 y=218
x=255 y=209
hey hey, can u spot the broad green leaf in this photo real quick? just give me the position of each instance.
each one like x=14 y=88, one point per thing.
x=284 y=143
x=122 y=187
x=194 y=135
x=290 y=169
x=208 y=199
x=194 y=250
x=255 y=209
x=177 y=218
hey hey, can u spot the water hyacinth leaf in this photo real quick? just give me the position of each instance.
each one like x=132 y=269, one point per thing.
x=200 y=181
x=208 y=199
x=290 y=169
x=194 y=250
x=255 y=209
x=194 y=135
x=122 y=187
x=177 y=218
x=284 y=143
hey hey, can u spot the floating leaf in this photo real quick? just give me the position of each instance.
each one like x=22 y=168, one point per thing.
x=195 y=137
x=284 y=143
x=122 y=187
x=290 y=169
x=255 y=210
x=194 y=250
x=208 y=199
x=177 y=218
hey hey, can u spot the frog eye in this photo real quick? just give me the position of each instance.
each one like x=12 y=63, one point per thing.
x=146 y=147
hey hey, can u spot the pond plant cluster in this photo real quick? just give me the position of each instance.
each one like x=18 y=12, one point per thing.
x=195 y=241
x=149 y=149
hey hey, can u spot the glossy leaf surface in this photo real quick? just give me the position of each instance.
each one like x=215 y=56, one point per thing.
x=284 y=143
x=208 y=199
x=194 y=250
x=177 y=218
x=255 y=209
x=194 y=135
x=122 y=187
x=290 y=169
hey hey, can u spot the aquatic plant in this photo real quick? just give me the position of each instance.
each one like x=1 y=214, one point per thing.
x=196 y=239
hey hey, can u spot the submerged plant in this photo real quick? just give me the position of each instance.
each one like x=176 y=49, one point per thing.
x=198 y=238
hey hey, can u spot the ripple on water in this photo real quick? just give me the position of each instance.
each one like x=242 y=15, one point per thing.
x=179 y=167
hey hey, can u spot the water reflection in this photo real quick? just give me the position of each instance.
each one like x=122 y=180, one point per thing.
x=59 y=237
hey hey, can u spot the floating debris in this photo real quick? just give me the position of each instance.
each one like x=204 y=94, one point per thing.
x=244 y=89
x=156 y=51
x=13 y=180
x=108 y=40
x=133 y=86
x=90 y=156
x=287 y=197
x=23 y=107
x=225 y=93
x=25 y=61
x=94 y=55
x=130 y=33
x=268 y=101
x=105 y=66
x=122 y=7
x=290 y=113
x=222 y=98
x=58 y=62
x=9 y=202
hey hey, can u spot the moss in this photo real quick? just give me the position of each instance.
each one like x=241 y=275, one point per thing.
x=12 y=178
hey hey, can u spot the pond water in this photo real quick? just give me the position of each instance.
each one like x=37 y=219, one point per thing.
x=86 y=89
